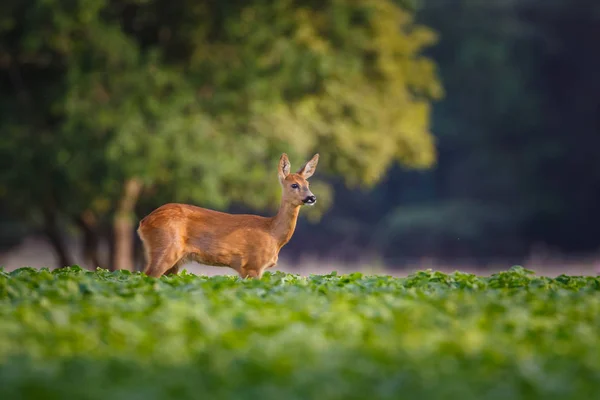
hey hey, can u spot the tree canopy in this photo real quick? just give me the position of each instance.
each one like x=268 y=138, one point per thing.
x=111 y=106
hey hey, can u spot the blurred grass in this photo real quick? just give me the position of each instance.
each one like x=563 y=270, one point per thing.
x=74 y=334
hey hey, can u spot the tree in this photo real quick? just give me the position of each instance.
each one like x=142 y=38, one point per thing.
x=141 y=102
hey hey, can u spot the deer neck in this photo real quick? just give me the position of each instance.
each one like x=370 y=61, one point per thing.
x=284 y=223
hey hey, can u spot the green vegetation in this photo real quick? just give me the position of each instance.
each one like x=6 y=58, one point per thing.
x=72 y=333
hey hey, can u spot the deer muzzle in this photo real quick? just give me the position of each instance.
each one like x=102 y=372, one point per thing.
x=310 y=200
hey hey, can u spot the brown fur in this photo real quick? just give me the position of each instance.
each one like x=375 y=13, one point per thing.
x=176 y=233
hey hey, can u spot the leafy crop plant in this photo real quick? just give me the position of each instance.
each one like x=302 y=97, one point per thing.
x=76 y=334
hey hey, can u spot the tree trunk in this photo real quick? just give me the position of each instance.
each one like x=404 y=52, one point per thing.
x=109 y=233
x=123 y=226
x=54 y=236
x=88 y=224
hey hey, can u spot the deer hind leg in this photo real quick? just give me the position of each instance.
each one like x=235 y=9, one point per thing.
x=163 y=256
x=162 y=252
x=163 y=262
x=174 y=270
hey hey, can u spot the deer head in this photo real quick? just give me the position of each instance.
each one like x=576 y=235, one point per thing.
x=295 y=186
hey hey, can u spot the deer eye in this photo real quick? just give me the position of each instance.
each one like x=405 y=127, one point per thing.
x=295 y=186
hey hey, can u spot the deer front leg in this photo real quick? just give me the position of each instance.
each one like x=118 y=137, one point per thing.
x=256 y=273
x=249 y=272
x=253 y=274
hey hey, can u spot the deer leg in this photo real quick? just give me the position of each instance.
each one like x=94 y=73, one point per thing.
x=173 y=271
x=251 y=273
x=163 y=262
x=270 y=265
x=256 y=273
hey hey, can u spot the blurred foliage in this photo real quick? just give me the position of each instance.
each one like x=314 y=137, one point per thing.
x=517 y=135
x=73 y=334
x=197 y=100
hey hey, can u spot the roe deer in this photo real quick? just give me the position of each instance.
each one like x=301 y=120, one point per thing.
x=176 y=233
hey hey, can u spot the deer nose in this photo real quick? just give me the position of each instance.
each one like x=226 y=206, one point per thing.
x=310 y=200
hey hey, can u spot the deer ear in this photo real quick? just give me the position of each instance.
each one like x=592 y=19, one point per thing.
x=284 y=167
x=309 y=168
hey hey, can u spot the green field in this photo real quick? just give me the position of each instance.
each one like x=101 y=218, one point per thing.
x=75 y=334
